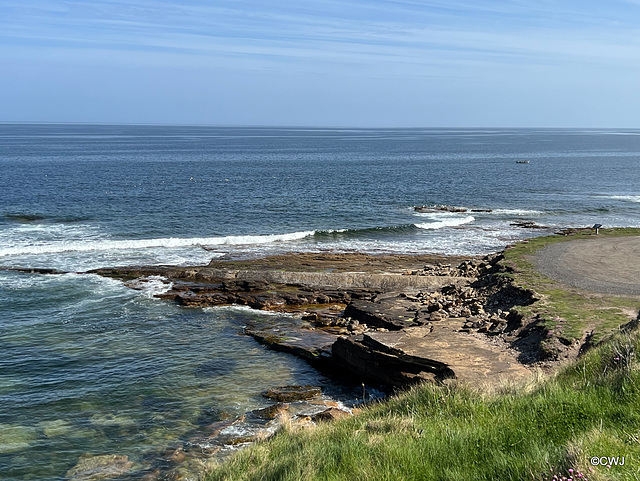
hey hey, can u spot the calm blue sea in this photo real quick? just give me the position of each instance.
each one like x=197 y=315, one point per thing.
x=89 y=366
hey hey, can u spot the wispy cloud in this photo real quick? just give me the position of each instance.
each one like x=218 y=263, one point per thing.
x=360 y=31
x=486 y=51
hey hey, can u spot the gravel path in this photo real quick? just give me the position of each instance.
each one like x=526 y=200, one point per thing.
x=599 y=264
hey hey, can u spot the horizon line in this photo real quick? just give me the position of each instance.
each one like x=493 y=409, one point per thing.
x=316 y=127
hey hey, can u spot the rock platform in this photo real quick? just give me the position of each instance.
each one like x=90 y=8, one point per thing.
x=389 y=320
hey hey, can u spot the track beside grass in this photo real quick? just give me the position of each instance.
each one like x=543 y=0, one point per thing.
x=597 y=264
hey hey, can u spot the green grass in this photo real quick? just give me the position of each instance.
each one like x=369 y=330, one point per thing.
x=590 y=408
x=568 y=313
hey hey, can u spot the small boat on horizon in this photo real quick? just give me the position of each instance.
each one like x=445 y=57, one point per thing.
x=522 y=161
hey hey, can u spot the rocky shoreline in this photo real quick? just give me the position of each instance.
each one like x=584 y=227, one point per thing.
x=387 y=321
x=390 y=320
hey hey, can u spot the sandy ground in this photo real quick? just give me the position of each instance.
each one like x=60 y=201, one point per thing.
x=602 y=265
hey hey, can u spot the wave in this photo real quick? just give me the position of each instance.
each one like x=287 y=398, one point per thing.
x=441 y=222
x=515 y=212
x=628 y=198
x=171 y=242
x=340 y=234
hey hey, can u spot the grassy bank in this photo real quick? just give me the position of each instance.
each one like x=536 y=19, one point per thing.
x=527 y=432
x=568 y=313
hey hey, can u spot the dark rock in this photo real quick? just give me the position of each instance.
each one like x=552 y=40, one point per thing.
x=292 y=393
x=192 y=299
x=290 y=335
x=330 y=414
x=417 y=354
x=392 y=313
x=527 y=224
x=439 y=208
x=371 y=361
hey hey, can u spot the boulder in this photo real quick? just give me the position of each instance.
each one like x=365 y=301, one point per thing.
x=390 y=313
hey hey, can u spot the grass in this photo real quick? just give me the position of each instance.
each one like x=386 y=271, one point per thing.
x=568 y=313
x=526 y=432
x=532 y=431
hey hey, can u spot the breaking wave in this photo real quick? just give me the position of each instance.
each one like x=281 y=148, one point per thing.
x=440 y=222
x=171 y=242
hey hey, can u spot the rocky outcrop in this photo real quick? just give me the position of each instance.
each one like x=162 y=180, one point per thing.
x=351 y=321
x=421 y=354
x=447 y=208
x=292 y=393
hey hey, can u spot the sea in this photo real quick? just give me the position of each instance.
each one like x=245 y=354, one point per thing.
x=90 y=366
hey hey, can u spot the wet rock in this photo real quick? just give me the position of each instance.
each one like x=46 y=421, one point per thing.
x=291 y=335
x=114 y=420
x=93 y=468
x=292 y=393
x=527 y=224
x=439 y=208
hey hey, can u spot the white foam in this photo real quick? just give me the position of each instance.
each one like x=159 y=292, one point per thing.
x=449 y=221
x=171 y=242
x=247 y=310
x=515 y=212
x=628 y=198
x=151 y=286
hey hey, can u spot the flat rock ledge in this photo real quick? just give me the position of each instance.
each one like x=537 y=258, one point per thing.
x=420 y=354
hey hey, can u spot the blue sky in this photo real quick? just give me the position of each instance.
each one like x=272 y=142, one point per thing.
x=395 y=63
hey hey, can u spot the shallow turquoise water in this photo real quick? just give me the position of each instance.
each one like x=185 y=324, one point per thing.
x=90 y=366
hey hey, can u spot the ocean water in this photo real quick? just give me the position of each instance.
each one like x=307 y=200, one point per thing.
x=87 y=365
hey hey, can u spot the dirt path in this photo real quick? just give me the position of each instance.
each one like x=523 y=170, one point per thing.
x=600 y=264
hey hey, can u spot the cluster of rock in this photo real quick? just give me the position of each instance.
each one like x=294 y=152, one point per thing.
x=446 y=208
x=468 y=268
x=527 y=224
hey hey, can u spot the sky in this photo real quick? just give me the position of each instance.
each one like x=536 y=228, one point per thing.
x=348 y=63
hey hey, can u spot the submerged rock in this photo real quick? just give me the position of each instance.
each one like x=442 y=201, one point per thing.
x=116 y=420
x=215 y=367
x=92 y=468
x=292 y=393
x=55 y=428
x=15 y=437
